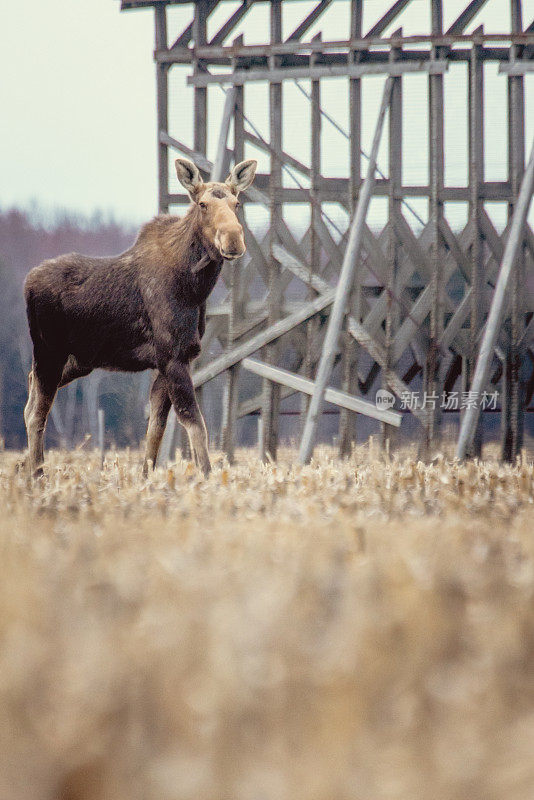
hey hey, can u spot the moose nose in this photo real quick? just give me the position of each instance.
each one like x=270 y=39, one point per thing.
x=231 y=254
x=230 y=243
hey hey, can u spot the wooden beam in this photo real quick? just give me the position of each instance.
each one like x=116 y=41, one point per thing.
x=463 y=20
x=263 y=338
x=162 y=96
x=335 y=396
x=494 y=320
x=379 y=28
x=283 y=157
x=343 y=289
x=231 y=23
x=239 y=77
x=307 y=23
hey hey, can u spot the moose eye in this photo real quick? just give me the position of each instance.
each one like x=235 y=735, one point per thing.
x=238 y=204
x=202 y=205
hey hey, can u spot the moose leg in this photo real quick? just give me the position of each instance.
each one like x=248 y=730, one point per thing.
x=160 y=405
x=42 y=388
x=182 y=394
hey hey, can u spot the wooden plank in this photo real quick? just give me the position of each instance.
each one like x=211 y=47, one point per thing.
x=514 y=378
x=335 y=396
x=294 y=47
x=398 y=234
x=378 y=353
x=226 y=29
x=379 y=28
x=489 y=339
x=431 y=375
x=218 y=168
x=285 y=158
x=240 y=77
x=162 y=110
x=271 y=402
x=263 y=338
x=343 y=289
x=518 y=67
x=253 y=404
x=451 y=242
x=422 y=306
x=308 y=21
x=463 y=20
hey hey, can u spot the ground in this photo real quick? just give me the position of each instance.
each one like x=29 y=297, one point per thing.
x=355 y=630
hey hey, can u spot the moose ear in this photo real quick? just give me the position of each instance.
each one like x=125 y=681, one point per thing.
x=242 y=175
x=188 y=175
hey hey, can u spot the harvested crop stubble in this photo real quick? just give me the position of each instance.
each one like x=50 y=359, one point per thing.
x=351 y=630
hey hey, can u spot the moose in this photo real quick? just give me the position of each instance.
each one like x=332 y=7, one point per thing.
x=143 y=309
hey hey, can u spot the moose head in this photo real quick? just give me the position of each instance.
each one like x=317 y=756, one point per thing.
x=217 y=204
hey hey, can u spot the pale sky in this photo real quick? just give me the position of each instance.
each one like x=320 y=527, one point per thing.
x=77 y=99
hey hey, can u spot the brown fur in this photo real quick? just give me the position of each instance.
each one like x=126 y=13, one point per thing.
x=142 y=309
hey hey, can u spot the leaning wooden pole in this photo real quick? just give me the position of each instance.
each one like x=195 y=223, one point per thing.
x=343 y=290
x=498 y=307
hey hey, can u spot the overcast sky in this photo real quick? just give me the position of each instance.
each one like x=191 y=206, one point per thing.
x=78 y=103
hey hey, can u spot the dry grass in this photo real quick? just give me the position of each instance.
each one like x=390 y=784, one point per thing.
x=347 y=631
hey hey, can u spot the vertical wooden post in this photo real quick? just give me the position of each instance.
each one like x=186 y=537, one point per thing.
x=200 y=102
x=271 y=391
x=349 y=355
x=476 y=180
x=200 y=139
x=231 y=389
x=436 y=176
x=513 y=395
x=312 y=326
x=162 y=95
x=394 y=210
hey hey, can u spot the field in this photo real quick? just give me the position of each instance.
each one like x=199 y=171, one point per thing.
x=355 y=630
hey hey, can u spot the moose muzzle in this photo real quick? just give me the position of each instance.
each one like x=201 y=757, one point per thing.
x=230 y=241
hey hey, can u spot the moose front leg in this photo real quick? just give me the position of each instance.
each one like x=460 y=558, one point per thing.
x=160 y=406
x=182 y=394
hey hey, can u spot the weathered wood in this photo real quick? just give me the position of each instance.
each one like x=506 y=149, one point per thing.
x=233 y=107
x=499 y=300
x=379 y=28
x=343 y=290
x=463 y=20
x=342 y=46
x=308 y=21
x=162 y=109
x=349 y=359
x=476 y=177
x=514 y=383
x=436 y=137
x=398 y=231
x=234 y=19
x=259 y=340
x=335 y=396
x=271 y=404
x=348 y=70
x=518 y=67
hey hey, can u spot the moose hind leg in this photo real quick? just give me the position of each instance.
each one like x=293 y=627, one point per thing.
x=182 y=394
x=41 y=394
x=160 y=405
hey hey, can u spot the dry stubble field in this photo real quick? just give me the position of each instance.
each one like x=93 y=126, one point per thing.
x=351 y=630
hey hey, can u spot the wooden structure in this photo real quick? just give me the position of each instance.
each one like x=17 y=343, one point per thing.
x=412 y=309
